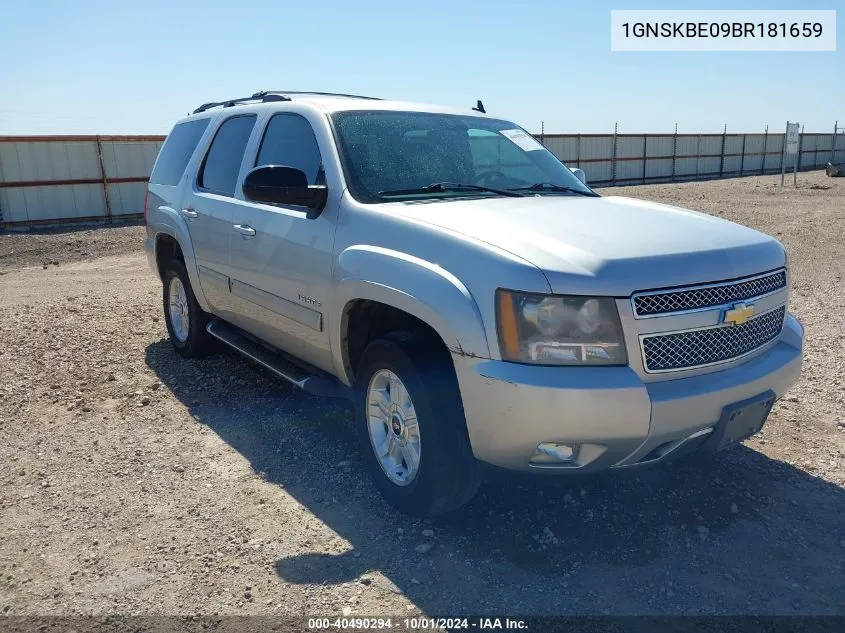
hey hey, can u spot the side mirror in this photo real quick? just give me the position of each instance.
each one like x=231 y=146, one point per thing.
x=277 y=184
x=579 y=174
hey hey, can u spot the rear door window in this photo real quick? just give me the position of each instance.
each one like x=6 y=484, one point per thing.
x=219 y=172
x=289 y=141
x=177 y=151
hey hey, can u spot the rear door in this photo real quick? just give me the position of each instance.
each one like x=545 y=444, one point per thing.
x=209 y=208
x=281 y=261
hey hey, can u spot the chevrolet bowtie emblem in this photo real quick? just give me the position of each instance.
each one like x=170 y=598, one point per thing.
x=738 y=314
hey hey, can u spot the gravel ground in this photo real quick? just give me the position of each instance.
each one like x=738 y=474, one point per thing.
x=40 y=248
x=137 y=482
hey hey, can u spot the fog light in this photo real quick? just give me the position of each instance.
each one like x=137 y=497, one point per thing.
x=553 y=453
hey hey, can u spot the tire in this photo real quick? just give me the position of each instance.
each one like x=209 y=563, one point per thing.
x=196 y=342
x=447 y=476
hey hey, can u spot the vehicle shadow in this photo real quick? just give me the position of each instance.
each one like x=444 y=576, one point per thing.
x=737 y=534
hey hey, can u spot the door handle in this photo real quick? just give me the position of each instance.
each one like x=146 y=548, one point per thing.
x=189 y=213
x=244 y=229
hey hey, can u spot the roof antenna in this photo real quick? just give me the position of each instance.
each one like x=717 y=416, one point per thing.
x=480 y=107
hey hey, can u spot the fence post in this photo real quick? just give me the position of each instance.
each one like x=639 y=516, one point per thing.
x=613 y=159
x=697 y=155
x=742 y=158
x=800 y=149
x=833 y=143
x=674 y=151
x=645 y=154
x=105 y=181
x=783 y=155
x=2 y=225
x=765 y=148
x=578 y=151
x=722 y=159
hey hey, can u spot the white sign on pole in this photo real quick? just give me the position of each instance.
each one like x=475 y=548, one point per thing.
x=792 y=138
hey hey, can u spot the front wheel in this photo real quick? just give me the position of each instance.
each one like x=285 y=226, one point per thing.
x=411 y=425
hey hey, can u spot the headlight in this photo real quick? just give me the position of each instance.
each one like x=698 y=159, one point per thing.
x=561 y=330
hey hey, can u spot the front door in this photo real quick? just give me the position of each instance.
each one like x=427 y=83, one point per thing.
x=280 y=261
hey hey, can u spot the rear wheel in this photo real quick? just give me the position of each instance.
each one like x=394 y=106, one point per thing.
x=185 y=319
x=412 y=427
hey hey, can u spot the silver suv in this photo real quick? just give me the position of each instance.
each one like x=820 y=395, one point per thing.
x=481 y=304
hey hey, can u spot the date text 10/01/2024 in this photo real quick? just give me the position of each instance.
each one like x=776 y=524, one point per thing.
x=417 y=623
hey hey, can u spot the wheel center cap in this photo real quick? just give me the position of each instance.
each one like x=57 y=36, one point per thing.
x=396 y=425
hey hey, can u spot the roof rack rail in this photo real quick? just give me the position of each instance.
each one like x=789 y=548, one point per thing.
x=319 y=94
x=266 y=96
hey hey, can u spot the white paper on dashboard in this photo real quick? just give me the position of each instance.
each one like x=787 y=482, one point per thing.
x=521 y=140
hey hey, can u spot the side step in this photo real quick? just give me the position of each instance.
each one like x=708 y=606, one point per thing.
x=278 y=364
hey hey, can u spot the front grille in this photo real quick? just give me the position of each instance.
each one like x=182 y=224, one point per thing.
x=695 y=348
x=707 y=296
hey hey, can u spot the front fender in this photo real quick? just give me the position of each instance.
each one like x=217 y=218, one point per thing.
x=425 y=290
x=168 y=221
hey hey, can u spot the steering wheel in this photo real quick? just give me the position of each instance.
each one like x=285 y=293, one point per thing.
x=493 y=178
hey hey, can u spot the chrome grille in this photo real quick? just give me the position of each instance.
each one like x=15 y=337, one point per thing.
x=648 y=304
x=695 y=348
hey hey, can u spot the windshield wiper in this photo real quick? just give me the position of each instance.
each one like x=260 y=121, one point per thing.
x=444 y=187
x=547 y=186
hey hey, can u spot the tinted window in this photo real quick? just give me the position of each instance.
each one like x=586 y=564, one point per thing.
x=385 y=153
x=289 y=141
x=219 y=172
x=177 y=151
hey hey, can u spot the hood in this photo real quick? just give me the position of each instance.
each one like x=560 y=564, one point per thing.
x=609 y=246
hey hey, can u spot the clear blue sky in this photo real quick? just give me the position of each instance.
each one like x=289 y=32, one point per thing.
x=134 y=67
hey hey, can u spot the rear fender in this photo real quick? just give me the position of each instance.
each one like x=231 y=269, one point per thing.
x=167 y=221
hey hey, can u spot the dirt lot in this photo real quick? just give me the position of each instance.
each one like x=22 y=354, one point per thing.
x=138 y=482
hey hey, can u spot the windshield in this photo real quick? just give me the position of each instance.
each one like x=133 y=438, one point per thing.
x=389 y=156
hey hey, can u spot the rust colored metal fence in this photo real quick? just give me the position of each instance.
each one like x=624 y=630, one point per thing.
x=629 y=159
x=52 y=180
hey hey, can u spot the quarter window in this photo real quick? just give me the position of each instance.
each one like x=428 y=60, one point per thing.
x=177 y=151
x=289 y=141
x=219 y=173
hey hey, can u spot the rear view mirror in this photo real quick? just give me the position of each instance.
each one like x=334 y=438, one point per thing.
x=579 y=174
x=277 y=184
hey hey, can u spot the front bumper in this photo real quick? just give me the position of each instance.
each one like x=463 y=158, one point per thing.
x=618 y=419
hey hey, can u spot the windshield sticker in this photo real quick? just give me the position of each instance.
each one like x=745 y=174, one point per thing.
x=522 y=140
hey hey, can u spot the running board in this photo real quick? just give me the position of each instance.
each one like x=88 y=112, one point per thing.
x=276 y=363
